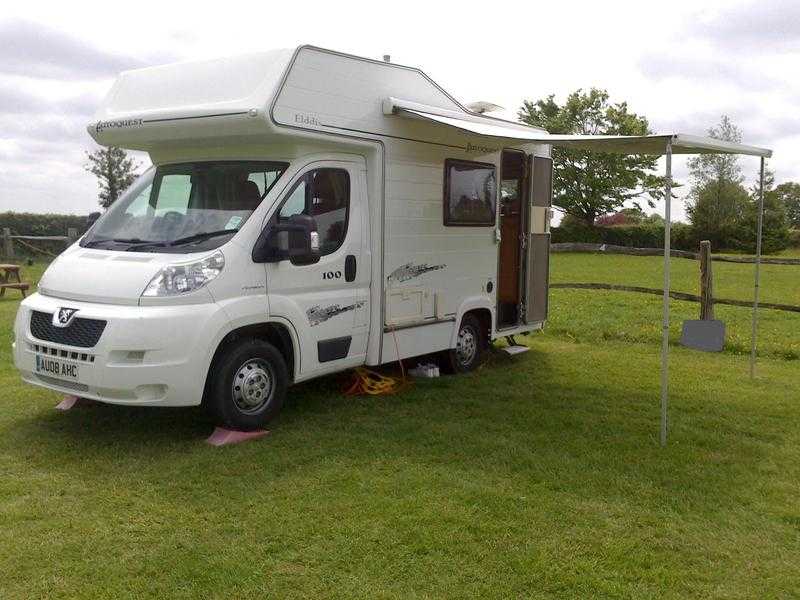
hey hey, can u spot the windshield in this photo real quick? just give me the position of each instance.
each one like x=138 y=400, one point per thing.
x=184 y=208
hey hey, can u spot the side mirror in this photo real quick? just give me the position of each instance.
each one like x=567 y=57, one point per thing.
x=296 y=240
x=91 y=219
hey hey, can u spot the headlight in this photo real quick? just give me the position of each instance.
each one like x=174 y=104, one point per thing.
x=174 y=280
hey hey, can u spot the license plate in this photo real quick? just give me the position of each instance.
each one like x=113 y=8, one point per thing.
x=55 y=367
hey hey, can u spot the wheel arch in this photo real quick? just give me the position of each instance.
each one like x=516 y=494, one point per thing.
x=482 y=309
x=279 y=334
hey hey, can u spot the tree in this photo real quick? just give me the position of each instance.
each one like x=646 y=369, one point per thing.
x=625 y=216
x=775 y=225
x=589 y=184
x=716 y=211
x=706 y=168
x=718 y=200
x=769 y=183
x=115 y=172
x=788 y=194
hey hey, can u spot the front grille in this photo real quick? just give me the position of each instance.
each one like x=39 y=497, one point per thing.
x=81 y=333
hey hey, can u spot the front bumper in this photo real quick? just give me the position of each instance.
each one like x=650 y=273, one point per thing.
x=146 y=356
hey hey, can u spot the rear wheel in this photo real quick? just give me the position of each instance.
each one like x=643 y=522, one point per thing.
x=470 y=347
x=248 y=385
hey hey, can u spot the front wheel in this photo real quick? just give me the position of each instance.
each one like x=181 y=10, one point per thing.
x=470 y=346
x=248 y=385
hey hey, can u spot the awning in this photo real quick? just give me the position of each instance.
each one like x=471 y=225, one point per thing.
x=666 y=144
x=615 y=144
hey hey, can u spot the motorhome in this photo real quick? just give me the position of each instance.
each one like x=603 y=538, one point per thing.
x=307 y=212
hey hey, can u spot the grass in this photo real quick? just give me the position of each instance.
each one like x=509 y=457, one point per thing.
x=538 y=476
x=625 y=316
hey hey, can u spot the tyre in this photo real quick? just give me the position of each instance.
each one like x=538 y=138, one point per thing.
x=247 y=385
x=470 y=347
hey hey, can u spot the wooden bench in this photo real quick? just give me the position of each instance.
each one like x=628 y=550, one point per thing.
x=22 y=286
x=6 y=274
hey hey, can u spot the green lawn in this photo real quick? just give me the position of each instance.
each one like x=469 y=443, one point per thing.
x=589 y=315
x=538 y=476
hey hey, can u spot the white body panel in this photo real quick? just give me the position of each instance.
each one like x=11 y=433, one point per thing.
x=415 y=277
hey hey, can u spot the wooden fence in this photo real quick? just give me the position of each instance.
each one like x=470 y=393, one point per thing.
x=706 y=296
x=29 y=241
x=611 y=249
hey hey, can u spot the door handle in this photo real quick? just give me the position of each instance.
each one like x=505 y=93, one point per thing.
x=350 y=268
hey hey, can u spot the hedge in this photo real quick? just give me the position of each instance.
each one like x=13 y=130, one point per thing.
x=649 y=235
x=41 y=224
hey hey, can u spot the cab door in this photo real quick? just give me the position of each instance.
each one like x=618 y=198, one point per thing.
x=327 y=302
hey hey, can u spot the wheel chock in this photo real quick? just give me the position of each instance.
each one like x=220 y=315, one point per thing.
x=225 y=437
x=70 y=402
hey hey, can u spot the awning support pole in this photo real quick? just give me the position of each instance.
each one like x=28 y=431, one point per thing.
x=754 y=330
x=665 y=324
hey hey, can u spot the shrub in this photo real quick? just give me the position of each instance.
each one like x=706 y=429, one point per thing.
x=41 y=224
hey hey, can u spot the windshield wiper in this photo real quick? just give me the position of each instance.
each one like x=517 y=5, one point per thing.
x=140 y=244
x=202 y=236
x=132 y=242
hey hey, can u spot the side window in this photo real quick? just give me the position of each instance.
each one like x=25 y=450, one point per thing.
x=325 y=195
x=469 y=193
x=295 y=203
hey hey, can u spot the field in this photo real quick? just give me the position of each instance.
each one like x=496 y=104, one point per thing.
x=633 y=317
x=538 y=476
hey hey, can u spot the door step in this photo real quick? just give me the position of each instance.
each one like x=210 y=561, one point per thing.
x=512 y=350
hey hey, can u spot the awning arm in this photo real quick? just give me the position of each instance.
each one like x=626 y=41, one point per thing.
x=665 y=318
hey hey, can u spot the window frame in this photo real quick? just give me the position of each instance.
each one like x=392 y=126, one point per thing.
x=447 y=221
x=304 y=178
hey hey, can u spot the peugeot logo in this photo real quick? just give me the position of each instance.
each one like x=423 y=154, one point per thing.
x=63 y=316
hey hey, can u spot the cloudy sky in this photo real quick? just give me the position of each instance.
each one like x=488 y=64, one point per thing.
x=680 y=63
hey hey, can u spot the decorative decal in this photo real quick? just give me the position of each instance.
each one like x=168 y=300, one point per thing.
x=317 y=314
x=473 y=148
x=101 y=125
x=410 y=271
x=306 y=119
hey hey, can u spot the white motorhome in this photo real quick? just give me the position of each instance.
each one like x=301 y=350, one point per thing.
x=307 y=212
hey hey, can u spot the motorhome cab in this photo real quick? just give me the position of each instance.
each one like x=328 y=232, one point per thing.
x=307 y=212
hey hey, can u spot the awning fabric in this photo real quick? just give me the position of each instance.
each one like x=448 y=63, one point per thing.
x=614 y=144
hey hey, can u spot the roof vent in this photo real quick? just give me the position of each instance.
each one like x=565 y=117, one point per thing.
x=481 y=106
x=387 y=58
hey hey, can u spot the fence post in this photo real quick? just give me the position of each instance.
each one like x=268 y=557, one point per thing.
x=706 y=282
x=72 y=235
x=8 y=243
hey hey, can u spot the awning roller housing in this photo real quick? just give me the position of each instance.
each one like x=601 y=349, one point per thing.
x=655 y=144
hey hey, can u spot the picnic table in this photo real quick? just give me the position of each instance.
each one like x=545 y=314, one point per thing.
x=7 y=272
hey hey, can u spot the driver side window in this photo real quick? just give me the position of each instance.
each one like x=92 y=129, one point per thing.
x=295 y=204
x=325 y=195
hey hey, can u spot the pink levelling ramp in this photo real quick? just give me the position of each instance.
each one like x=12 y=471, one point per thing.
x=70 y=402
x=225 y=437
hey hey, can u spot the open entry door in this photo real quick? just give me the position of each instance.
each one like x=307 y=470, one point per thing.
x=538 y=248
x=514 y=205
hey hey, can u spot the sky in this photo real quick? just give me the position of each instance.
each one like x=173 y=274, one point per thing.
x=682 y=64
